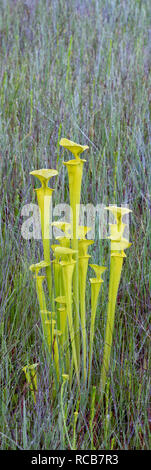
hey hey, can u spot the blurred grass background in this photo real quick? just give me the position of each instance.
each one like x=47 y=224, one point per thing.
x=81 y=70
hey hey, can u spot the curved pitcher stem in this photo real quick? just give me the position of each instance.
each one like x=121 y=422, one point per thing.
x=115 y=275
x=68 y=268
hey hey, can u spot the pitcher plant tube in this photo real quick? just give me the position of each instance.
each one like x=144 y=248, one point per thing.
x=75 y=172
x=95 y=289
x=44 y=194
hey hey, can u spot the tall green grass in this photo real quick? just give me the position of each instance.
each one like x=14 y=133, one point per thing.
x=80 y=70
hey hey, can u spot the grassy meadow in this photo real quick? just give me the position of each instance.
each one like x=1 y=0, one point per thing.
x=79 y=69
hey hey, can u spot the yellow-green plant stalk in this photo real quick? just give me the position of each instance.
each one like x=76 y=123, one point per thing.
x=92 y=414
x=52 y=341
x=65 y=378
x=31 y=377
x=83 y=245
x=50 y=333
x=53 y=336
x=118 y=245
x=95 y=289
x=75 y=171
x=67 y=263
x=63 y=322
x=83 y=267
x=115 y=275
x=44 y=194
x=74 y=429
x=67 y=269
x=64 y=339
x=35 y=268
x=61 y=253
x=56 y=272
x=57 y=335
x=61 y=300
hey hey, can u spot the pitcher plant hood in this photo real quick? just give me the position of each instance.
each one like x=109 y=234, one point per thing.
x=44 y=175
x=75 y=149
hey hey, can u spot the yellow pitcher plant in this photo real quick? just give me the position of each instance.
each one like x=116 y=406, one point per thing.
x=35 y=268
x=44 y=194
x=95 y=289
x=118 y=245
x=75 y=171
x=67 y=271
x=61 y=281
x=83 y=258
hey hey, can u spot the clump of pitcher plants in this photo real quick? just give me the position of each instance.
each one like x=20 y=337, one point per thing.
x=65 y=268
